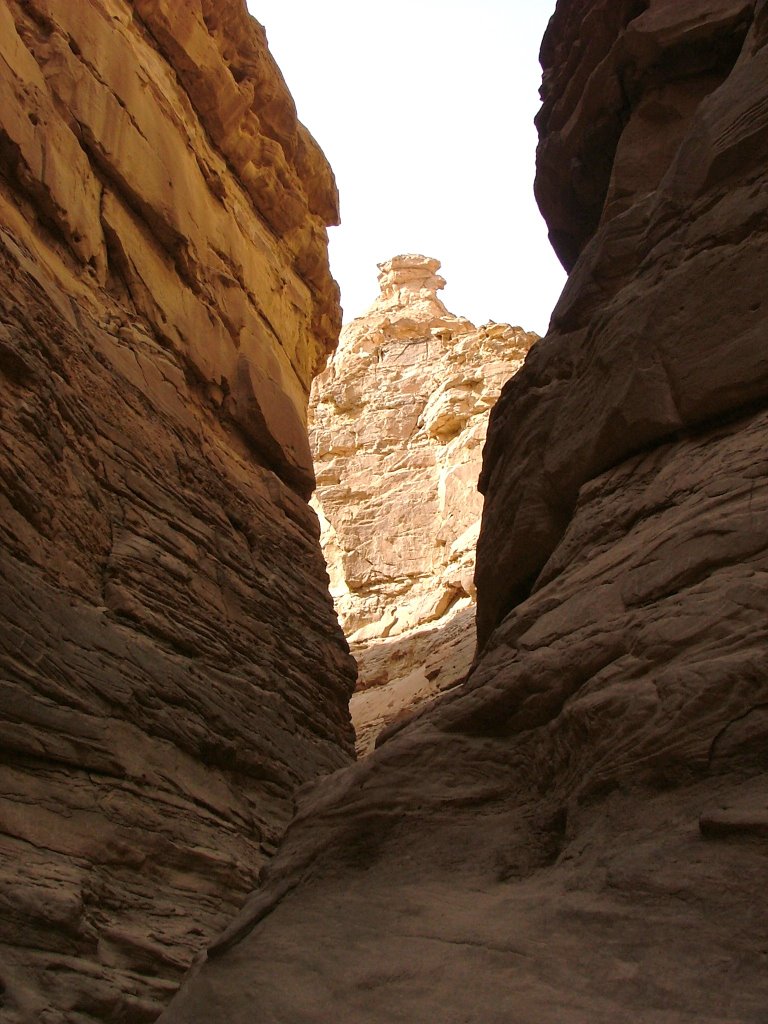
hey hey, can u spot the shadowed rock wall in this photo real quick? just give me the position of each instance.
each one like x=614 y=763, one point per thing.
x=578 y=833
x=658 y=329
x=171 y=668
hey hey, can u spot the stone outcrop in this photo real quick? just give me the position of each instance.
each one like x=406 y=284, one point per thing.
x=170 y=664
x=398 y=675
x=578 y=833
x=397 y=426
x=655 y=332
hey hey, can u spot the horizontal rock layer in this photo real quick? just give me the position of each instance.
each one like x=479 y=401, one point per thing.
x=170 y=664
x=578 y=833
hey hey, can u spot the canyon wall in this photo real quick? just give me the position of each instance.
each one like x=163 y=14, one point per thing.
x=578 y=833
x=397 y=425
x=170 y=663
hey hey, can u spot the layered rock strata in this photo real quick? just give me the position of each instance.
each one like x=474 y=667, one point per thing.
x=578 y=833
x=170 y=664
x=657 y=330
x=397 y=426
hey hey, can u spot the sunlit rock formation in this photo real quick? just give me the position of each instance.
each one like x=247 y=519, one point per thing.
x=578 y=833
x=170 y=664
x=397 y=425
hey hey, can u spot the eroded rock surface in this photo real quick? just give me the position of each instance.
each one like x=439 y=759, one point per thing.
x=577 y=833
x=397 y=426
x=658 y=329
x=170 y=664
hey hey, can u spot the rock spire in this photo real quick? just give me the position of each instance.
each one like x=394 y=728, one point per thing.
x=397 y=425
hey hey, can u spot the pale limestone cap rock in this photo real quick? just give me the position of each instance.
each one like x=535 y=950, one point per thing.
x=409 y=279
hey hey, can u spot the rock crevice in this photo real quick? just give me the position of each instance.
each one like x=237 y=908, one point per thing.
x=533 y=845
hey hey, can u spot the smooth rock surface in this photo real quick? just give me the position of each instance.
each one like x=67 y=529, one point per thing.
x=577 y=834
x=397 y=424
x=170 y=664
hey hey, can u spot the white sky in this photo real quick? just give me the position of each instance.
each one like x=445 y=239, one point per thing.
x=425 y=110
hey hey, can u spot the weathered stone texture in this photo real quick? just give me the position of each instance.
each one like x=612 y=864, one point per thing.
x=170 y=664
x=656 y=330
x=397 y=425
x=578 y=832
x=398 y=675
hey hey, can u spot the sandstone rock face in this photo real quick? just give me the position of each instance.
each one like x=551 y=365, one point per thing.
x=655 y=332
x=397 y=426
x=578 y=832
x=397 y=676
x=170 y=664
